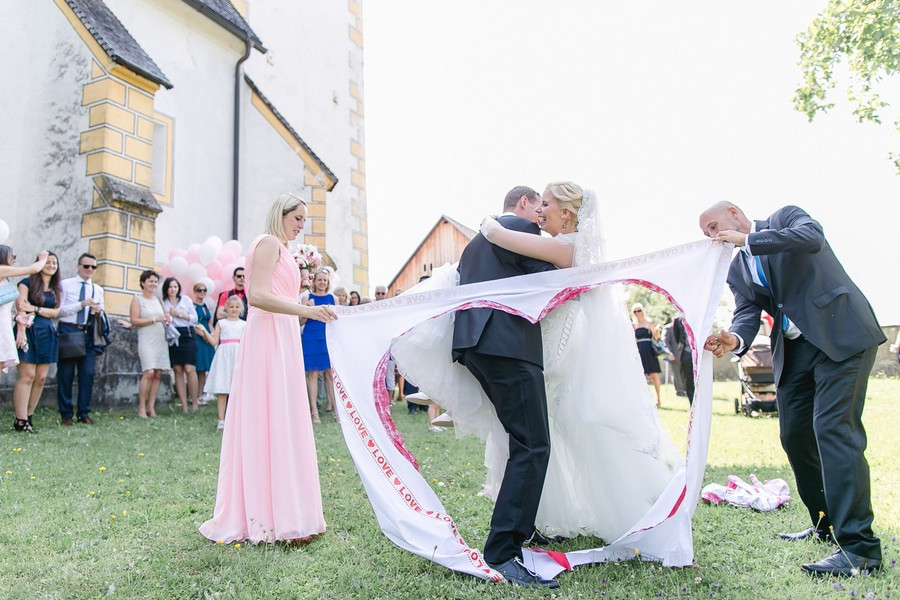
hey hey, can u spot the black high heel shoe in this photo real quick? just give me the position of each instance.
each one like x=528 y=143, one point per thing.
x=23 y=425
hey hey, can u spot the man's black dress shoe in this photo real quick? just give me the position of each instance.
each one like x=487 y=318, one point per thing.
x=539 y=539
x=843 y=564
x=820 y=534
x=515 y=572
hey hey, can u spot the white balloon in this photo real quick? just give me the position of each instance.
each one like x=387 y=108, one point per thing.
x=4 y=231
x=335 y=280
x=179 y=266
x=195 y=247
x=207 y=254
x=196 y=272
x=214 y=242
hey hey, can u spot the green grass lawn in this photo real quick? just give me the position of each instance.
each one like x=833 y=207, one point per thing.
x=112 y=511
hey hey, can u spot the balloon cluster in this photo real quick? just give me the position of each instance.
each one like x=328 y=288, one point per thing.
x=211 y=263
x=4 y=231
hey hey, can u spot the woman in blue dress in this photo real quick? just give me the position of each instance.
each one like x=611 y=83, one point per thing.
x=205 y=352
x=38 y=346
x=315 y=352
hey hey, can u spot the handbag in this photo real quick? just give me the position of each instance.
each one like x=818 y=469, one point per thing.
x=8 y=292
x=172 y=334
x=659 y=348
x=72 y=345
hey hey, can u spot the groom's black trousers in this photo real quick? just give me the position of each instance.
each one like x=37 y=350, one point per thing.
x=516 y=389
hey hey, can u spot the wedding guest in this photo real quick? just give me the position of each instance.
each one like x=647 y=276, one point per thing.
x=380 y=292
x=895 y=347
x=226 y=337
x=646 y=333
x=824 y=341
x=668 y=334
x=9 y=354
x=39 y=295
x=304 y=285
x=268 y=486
x=239 y=290
x=205 y=352
x=354 y=298
x=340 y=295
x=149 y=316
x=315 y=352
x=683 y=357
x=182 y=355
x=81 y=301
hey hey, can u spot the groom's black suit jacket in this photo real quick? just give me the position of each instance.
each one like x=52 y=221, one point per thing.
x=807 y=283
x=495 y=332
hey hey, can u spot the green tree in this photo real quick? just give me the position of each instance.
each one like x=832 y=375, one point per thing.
x=656 y=306
x=865 y=34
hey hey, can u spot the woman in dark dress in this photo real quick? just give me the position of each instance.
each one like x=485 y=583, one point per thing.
x=183 y=355
x=315 y=352
x=205 y=352
x=645 y=332
x=38 y=345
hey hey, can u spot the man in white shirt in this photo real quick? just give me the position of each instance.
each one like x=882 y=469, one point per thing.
x=81 y=301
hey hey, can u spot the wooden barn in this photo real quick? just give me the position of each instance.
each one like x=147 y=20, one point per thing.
x=443 y=244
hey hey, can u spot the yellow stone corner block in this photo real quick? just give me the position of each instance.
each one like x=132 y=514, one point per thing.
x=97 y=201
x=355 y=8
x=109 y=275
x=104 y=221
x=112 y=249
x=360 y=241
x=356 y=36
x=95 y=139
x=356 y=149
x=364 y=227
x=148 y=257
x=361 y=276
x=354 y=91
x=316 y=240
x=104 y=89
x=143 y=230
x=145 y=129
x=358 y=179
x=142 y=175
x=315 y=210
x=138 y=150
x=318 y=226
x=319 y=195
x=110 y=114
x=111 y=164
x=364 y=259
x=361 y=166
x=140 y=102
x=134 y=279
x=117 y=303
x=96 y=70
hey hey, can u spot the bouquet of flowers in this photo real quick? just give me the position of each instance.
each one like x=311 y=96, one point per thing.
x=307 y=256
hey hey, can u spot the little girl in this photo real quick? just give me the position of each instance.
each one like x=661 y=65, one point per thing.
x=226 y=336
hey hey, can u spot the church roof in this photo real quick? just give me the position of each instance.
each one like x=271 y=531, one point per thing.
x=293 y=132
x=225 y=14
x=115 y=39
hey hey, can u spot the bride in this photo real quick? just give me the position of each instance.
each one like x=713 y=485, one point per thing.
x=610 y=457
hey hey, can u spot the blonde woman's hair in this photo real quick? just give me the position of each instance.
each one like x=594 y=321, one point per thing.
x=568 y=195
x=281 y=207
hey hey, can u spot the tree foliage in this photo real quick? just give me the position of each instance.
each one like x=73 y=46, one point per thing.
x=656 y=306
x=864 y=33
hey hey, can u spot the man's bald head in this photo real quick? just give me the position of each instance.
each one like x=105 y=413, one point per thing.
x=723 y=216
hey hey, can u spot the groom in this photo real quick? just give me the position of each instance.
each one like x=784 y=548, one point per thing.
x=504 y=353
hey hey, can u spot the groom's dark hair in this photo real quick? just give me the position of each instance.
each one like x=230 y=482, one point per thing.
x=513 y=195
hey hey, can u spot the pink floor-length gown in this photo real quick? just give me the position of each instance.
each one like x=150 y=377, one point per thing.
x=268 y=475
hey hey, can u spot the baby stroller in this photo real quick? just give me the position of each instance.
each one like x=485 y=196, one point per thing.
x=757 y=380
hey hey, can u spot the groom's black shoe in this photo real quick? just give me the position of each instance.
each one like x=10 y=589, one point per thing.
x=515 y=572
x=812 y=532
x=843 y=564
x=539 y=539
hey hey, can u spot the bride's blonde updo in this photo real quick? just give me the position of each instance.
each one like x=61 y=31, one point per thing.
x=568 y=195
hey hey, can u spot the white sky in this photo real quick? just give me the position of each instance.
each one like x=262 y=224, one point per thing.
x=661 y=107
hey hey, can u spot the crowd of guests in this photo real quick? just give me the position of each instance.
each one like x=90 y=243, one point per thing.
x=670 y=343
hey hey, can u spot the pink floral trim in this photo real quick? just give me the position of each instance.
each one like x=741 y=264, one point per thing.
x=383 y=408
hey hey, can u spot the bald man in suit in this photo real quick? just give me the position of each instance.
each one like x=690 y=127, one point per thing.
x=823 y=348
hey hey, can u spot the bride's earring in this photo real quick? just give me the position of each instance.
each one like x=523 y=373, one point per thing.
x=565 y=224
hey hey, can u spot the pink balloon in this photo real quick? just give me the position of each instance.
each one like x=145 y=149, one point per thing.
x=193 y=257
x=226 y=258
x=242 y=261
x=232 y=246
x=214 y=270
x=176 y=252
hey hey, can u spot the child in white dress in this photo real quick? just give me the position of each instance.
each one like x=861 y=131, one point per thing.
x=226 y=336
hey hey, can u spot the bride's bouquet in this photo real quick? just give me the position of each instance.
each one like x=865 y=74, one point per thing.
x=307 y=256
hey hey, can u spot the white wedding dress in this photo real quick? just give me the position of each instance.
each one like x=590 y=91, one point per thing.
x=610 y=457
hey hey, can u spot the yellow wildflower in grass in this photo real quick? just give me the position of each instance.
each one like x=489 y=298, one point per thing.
x=121 y=481
x=9 y=472
x=124 y=513
x=140 y=453
x=219 y=543
x=206 y=454
x=90 y=493
x=113 y=517
x=121 y=418
x=236 y=546
x=33 y=477
x=101 y=469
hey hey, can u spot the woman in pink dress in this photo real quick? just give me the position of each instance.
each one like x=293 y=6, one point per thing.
x=268 y=475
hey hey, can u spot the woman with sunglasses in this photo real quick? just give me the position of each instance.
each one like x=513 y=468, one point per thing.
x=645 y=332
x=205 y=352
